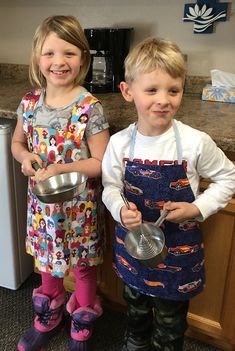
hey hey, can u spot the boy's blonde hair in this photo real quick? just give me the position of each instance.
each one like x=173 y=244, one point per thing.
x=68 y=29
x=152 y=54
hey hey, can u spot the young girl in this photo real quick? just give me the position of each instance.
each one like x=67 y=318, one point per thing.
x=158 y=162
x=59 y=63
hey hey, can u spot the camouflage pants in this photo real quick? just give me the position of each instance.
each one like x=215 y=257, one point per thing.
x=154 y=323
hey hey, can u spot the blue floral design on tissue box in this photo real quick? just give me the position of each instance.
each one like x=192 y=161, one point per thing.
x=221 y=94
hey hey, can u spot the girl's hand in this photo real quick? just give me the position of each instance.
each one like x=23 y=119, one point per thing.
x=131 y=218
x=26 y=166
x=45 y=173
x=181 y=211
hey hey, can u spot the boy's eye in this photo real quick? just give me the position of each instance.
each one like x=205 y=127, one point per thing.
x=174 y=91
x=151 y=91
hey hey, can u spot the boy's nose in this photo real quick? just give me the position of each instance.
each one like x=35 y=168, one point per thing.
x=162 y=98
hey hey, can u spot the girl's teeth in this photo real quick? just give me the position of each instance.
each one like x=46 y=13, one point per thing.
x=59 y=72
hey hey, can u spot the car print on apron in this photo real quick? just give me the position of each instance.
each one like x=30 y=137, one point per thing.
x=181 y=275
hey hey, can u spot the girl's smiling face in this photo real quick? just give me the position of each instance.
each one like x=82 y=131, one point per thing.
x=59 y=61
x=157 y=97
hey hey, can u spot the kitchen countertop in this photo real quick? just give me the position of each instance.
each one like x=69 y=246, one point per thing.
x=215 y=118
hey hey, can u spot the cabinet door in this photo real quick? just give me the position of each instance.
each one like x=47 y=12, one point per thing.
x=109 y=285
x=212 y=313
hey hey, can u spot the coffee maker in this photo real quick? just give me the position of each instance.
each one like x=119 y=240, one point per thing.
x=108 y=47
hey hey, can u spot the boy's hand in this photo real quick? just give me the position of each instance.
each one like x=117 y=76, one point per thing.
x=131 y=218
x=181 y=211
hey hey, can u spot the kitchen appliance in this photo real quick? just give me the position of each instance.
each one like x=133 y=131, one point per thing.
x=61 y=187
x=15 y=264
x=108 y=47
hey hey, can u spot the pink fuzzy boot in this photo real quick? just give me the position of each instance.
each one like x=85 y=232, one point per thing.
x=82 y=319
x=48 y=322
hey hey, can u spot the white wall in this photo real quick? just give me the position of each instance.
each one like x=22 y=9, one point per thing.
x=19 y=18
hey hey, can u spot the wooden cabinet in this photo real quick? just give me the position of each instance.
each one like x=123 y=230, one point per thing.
x=212 y=313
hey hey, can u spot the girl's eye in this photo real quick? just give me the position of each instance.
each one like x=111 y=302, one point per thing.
x=48 y=54
x=69 y=54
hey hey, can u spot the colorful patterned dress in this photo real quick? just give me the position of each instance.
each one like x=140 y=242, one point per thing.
x=65 y=234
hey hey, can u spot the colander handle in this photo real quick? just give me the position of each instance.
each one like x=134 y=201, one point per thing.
x=161 y=218
x=125 y=200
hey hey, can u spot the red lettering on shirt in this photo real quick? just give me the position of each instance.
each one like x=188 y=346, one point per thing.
x=157 y=162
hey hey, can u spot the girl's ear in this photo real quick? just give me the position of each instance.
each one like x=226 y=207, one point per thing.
x=126 y=92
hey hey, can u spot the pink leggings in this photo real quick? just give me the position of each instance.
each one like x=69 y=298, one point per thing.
x=85 y=286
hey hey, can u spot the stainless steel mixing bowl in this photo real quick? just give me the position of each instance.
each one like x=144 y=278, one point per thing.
x=60 y=188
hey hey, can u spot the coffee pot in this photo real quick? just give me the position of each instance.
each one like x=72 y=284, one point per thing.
x=108 y=47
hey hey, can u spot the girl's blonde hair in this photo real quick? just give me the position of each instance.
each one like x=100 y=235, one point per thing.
x=68 y=29
x=152 y=54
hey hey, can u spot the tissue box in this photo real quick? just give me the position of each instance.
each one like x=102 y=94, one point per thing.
x=223 y=94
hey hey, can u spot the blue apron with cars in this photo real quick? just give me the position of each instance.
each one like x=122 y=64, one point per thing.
x=181 y=275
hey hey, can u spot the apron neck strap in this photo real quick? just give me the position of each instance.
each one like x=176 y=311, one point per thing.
x=177 y=140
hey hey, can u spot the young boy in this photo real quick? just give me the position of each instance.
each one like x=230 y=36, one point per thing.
x=157 y=162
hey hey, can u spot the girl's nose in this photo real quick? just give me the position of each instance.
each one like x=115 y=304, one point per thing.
x=58 y=60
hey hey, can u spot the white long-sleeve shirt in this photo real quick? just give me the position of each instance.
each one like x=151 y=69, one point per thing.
x=204 y=159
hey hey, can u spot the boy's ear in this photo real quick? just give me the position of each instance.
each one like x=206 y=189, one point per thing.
x=126 y=92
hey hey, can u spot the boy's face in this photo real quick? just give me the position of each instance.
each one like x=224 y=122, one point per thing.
x=157 y=97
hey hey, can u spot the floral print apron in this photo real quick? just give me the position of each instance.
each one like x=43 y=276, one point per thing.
x=65 y=234
x=181 y=275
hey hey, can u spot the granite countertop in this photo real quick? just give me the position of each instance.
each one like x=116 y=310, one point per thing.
x=215 y=118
